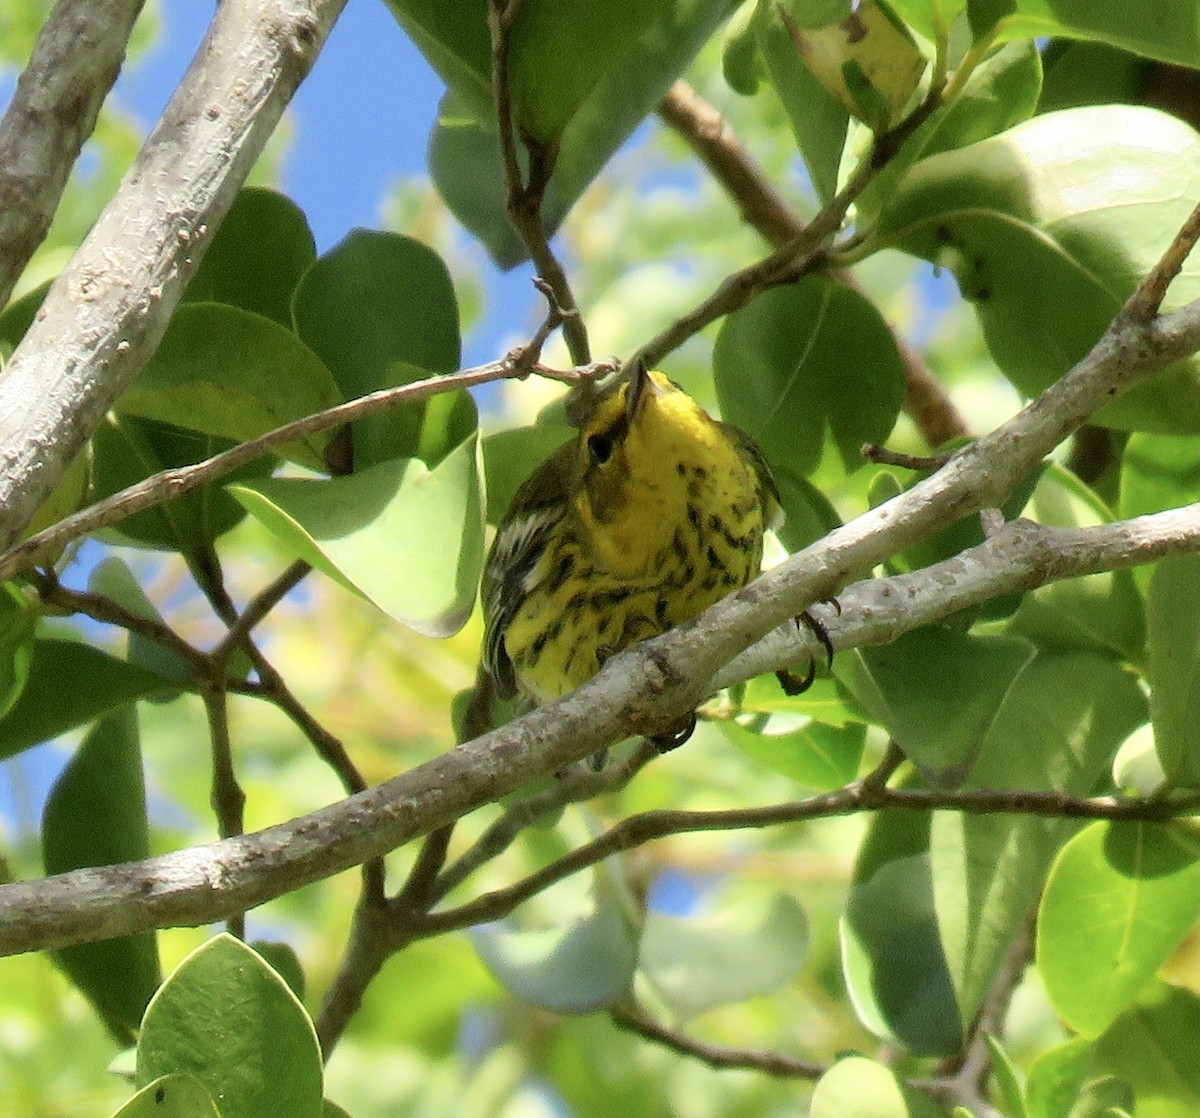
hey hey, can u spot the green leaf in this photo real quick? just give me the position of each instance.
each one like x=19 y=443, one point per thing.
x=1048 y=227
x=464 y=163
x=402 y=536
x=1104 y=1097
x=17 y=622
x=822 y=702
x=1102 y=612
x=509 y=457
x=171 y=1096
x=1008 y=1082
x=1159 y=472
x=1173 y=668
x=860 y=1088
x=1136 y=768
x=1172 y=35
x=464 y=152
x=804 y=361
x=818 y=121
x=227 y=1018
x=740 y=60
x=283 y=960
x=96 y=816
x=126 y=450
x=576 y=969
x=1056 y=1078
x=814 y=755
x=69 y=685
x=867 y=61
x=380 y=310
x=895 y=967
x=561 y=49
x=931 y=18
x=226 y=372
x=1119 y=899
x=1153 y=1047
x=256 y=259
x=1057 y=730
x=697 y=963
x=1001 y=92
x=937 y=692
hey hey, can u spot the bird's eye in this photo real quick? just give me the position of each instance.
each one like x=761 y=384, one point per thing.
x=600 y=447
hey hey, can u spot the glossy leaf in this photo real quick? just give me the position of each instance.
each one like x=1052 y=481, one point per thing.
x=17 y=622
x=402 y=536
x=1119 y=899
x=171 y=1096
x=808 y=361
x=1047 y=228
x=892 y=957
x=69 y=685
x=818 y=120
x=576 y=969
x=930 y=18
x=814 y=755
x=1102 y=612
x=126 y=450
x=1001 y=92
x=1173 y=645
x=697 y=963
x=1055 y=1078
x=1158 y=472
x=380 y=311
x=856 y=1087
x=1173 y=35
x=1152 y=1046
x=257 y=257
x=509 y=457
x=96 y=816
x=561 y=49
x=464 y=152
x=1057 y=730
x=227 y=1018
x=867 y=62
x=1007 y=1078
x=937 y=692
x=226 y=372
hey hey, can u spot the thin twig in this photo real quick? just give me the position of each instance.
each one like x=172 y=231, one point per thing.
x=1144 y=303
x=575 y=786
x=227 y=797
x=709 y=136
x=715 y=1055
x=259 y=606
x=923 y=463
x=862 y=795
x=168 y=484
x=99 y=607
x=526 y=194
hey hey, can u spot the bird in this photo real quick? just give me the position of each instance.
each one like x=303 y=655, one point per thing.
x=653 y=512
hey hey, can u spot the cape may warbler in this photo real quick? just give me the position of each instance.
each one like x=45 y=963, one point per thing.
x=653 y=513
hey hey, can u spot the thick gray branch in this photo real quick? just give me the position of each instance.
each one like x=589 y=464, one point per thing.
x=106 y=313
x=75 y=61
x=212 y=882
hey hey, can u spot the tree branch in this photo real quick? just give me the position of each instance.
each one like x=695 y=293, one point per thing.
x=169 y=484
x=104 y=316
x=75 y=61
x=715 y=1055
x=763 y=208
x=643 y=688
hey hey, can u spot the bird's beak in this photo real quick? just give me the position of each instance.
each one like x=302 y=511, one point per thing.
x=640 y=386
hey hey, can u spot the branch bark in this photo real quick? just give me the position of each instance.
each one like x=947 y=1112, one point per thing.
x=74 y=63
x=106 y=313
